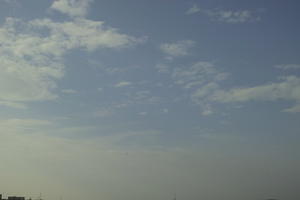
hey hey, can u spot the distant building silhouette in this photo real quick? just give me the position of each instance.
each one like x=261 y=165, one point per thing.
x=16 y=198
x=12 y=198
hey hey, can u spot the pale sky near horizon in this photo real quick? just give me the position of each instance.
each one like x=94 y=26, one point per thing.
x=136 y=99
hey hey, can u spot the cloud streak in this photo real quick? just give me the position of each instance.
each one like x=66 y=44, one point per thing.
x=288 y=67
x=123 y=84
x=225 y=16
x=232 y=16
x=288 y=89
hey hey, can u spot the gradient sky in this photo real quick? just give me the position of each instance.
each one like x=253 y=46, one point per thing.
x=136 y=99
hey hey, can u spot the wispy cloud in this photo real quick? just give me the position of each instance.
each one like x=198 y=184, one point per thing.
x=226 y=16
x=288 y=89
x=24 y=125
x=293 y=109
x=69 y=91
x=123 y=84
x=162 y=68
x=202 y=79
x=288 y=66
x=143 y=113
x=232 y=16
x=192 y=10
x=13 y=104
x=198 y=74
x=179 y=48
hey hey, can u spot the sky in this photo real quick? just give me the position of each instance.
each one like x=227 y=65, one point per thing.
x=136 y=99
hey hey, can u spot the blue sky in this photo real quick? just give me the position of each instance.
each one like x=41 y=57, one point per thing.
x=143 y=99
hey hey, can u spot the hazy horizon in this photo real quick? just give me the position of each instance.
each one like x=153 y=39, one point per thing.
x=136 y=99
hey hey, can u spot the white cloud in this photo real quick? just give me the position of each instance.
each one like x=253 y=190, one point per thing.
x=293 y=109
x=287 y=89
x=288 y=66
x=201 y=96
x=84 y=33
x=73 y=8
x=31 y=54
x=192 y=10
x=24 y=80
x=123 y=84
x=176 y=49
x=29 y=67
x=203 y=81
